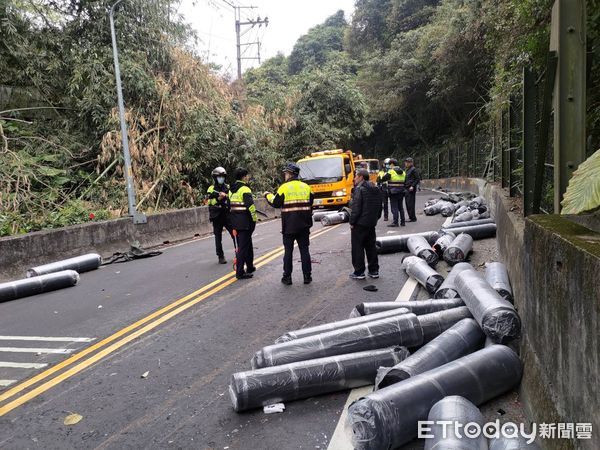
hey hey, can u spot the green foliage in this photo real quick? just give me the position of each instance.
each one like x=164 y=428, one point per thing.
x=583 y=192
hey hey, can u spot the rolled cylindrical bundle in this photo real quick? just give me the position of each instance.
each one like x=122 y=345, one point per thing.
x=448 y=288
x=471 y=224
x=262 y=387
x=461 y=209
x=334 y=218
x=425 y=275
x=418 y=307
x=461 y=339
x=388 y=418
x=496 y=317
x=399 y=243
x=443 y=242
x=484 y=231
x=477 y=202
x=318 y=215
x=465 y=216
x=447 y=209
x=419 y=246
x=455 y=409
x=459 y=250
x=83 y=263
x=404 y=330
x=496 y=275
x=512 y=443
x=431 y=201
x=296 y=334
x=475 y=215
x=37 y=285
x=436 y=323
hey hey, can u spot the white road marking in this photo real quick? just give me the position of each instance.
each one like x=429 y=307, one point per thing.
x=14 y=365
x=7 y=382
x=341 y=439
x=46 y=339
x=62 y=351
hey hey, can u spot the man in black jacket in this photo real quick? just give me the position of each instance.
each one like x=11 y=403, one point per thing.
x=413 y=178
x=366 y=211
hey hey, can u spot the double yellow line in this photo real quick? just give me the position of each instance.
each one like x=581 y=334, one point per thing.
x=120 y=338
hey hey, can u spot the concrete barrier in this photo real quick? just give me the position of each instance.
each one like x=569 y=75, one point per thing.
x=17 y=253
x=554 y=265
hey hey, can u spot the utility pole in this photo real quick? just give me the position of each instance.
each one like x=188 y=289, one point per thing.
x=137 y=217
x=238 y=34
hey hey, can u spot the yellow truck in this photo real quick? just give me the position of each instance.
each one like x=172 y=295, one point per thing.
x=330 y=174
x=372 y=165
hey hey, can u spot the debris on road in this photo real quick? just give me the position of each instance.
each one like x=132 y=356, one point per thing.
x=72 y=419
x=496 y=275
x=418 y=307
x=477 y=232
x=461 y=339
x=436 y=323
x=418 y=269
x=453 y=225
x=418 y=246
x=26 y=287
x=448 y=287
x=457 y=410
x=273 y=409
x=334 y=218
x=459 y=250
x=443 y=243
x=496 y=316
x=145 y=374
x=387 y=418
x=399 y=243
x=304 y=379
x=79 y=264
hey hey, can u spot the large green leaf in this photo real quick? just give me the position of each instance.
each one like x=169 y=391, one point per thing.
x=583 y=192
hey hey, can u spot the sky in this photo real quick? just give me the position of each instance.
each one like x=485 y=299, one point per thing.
x=214 y=23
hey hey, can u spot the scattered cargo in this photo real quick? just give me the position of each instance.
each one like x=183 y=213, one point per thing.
x=443 y=243
x=496 y=275
x=418 y=307
x=419 y=247
x=335 y=218
x=418 y=269
x=399 y=243
x=26 y=287
x=436 y=323
x=477 y=232
x=453 y=225
x=459 y=250
x=448 y=287
x=79 y=264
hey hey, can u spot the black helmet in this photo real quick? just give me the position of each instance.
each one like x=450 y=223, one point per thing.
x=292 y=168
x=219 y=172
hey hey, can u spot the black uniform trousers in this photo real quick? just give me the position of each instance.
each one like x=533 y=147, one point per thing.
x=245 y=252
x=302 y=238
x=385 y=198
x=411 y=197
x=218 y=224
x=363 y=242
x=396 y=202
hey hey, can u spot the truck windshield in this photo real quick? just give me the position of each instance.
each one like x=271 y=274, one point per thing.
x=321 y=170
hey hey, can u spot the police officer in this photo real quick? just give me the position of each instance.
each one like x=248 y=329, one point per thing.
x=218 y=209
x=396 y=178
x=413 y=178
x=295 y=200
x=383 y=187
x=242 y=218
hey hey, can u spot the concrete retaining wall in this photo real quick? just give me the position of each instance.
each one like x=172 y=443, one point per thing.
x=554 y=266
x=20 y=252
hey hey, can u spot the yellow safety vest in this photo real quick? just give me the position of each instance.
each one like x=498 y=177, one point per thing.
x=397 y=179
x=296 y=196
x=212 y=201
x=236 y=200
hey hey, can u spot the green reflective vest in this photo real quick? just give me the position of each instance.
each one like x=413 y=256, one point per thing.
x=398 y=177
x=296 y=196
x=236 y=200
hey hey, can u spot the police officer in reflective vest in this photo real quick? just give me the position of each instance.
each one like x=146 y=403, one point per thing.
x=218 y=209
x=295 y=200
x=242 y=218
x=383 y=186
x=396 y=178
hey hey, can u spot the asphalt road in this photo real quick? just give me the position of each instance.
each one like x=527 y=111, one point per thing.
x=152 y=316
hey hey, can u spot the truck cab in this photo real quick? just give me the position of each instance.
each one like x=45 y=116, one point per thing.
x=330 y=174
x=372 y=165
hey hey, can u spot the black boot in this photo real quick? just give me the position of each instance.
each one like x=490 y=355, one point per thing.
x=222 y=260
x=287 y=280
x=307 y=279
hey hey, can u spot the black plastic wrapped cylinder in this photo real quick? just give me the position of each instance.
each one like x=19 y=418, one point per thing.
x=459 y=250
x=447 y=209
x=425 y=275
x=443 y=242
x=477 y=232
x=388 y=418
x=262 y=387
x=399 y=243
x=461 y=339
x=465 y=216
x=419 y=246
x=460 y=209
x=296 y=334
x=404 y=330
x=79 y=264
x=496 y=317
x=334 y=218
x=418 y=307
x=513 y=443
x=496 y=275
x=436 y=323
x=448 y=288
x=26 y=287
x=454 y=410
x=318 y=215
x=477 y=202
x=471 y=223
